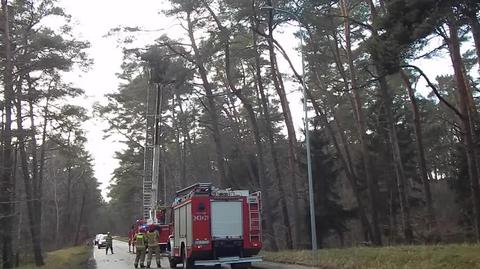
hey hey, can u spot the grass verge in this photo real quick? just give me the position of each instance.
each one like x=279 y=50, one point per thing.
x=400 y=257
x=71 y=258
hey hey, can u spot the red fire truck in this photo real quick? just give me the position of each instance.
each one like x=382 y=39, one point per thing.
x=163 y=228
x=212 y=227
x=158 y=218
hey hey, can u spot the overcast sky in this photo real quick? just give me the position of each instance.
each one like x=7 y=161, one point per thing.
x=94 y=18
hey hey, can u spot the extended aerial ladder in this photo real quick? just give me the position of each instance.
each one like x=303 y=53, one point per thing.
x=152 y=151
x=153 y=213
x=148 y=152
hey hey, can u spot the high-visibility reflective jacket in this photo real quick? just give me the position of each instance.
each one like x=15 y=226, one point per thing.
x=140 y=241
x=152 y=238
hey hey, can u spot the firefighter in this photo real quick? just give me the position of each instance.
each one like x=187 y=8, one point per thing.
x=161 y=216
x=131 y=234
x=140 y=244
x=153 y=239
x=109 y=241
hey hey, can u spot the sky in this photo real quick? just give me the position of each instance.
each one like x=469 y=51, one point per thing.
x=92 y=21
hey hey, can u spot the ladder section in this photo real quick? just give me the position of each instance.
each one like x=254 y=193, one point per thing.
x=255 y=216
x=148 y=153
x=147 y=182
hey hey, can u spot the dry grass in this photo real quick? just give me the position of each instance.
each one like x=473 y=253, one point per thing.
x=71 y=258
x=402 y=257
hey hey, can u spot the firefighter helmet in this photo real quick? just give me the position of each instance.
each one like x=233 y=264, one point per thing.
x=151 y=227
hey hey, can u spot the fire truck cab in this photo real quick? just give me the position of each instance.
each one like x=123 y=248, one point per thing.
x=211 y=227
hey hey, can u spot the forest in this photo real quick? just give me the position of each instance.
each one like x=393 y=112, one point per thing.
x=394 y=152
x=48 y=192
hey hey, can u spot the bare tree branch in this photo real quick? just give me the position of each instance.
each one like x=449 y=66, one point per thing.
x=434 y=89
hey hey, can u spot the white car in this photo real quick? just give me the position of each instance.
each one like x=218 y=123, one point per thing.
x=102 y=241
x=97 y=237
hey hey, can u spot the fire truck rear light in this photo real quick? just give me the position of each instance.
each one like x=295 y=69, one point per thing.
x=202 y=242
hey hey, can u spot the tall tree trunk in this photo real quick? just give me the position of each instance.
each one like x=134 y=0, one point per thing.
x=28 y=180
x=265 y=184
x=186 y=141
x=393 y=229
x=211 y=105
x=422 y=163
x=36 y=174
x=18 y=211
x=345 y=156
x=262 y=178
x=57 y=211
x=19 y=225
x=7 y=184
x=158 y=141
x=80 y=218
x=43 y=149
x=178 y=145
x=345 y=162
x=271 y=142
x=397 y=161
x=393 y=138
x=291 y=136
x=68 y=210
x=239 y=131
x=468 y=125
x=360 y=121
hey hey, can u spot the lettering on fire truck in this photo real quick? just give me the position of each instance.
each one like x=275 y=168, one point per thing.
x=201 y=218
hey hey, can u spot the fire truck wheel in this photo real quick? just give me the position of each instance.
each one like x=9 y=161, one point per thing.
x=186 y=262
x=172 y=262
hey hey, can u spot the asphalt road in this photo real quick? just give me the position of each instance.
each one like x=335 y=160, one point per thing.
x=121 y=259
